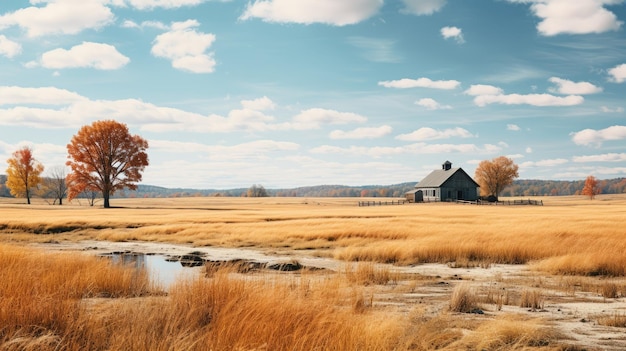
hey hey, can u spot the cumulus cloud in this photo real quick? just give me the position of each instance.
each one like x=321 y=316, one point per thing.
x=573 y=17
x=361 y=133
x=167 y=4
x=144 y=24
x=426 y=133
x=422 y=7
x=251 y=149
x=411 y=149
x=186 y=47
x=13 y=95
x=597 y=137
x=431 y=104
x=315 y=117
x=260 y=104
x=544 y=163
x=529 y=99
x=488 y=94
x=9 y=48
x=59 y=17
x=453 y=33
x=95 y=55
x=610 y=157
x=482 y=89
x=567 y=87
x=513 y=127
x=407 y=83
x=617 y=74
x=332 y=12
x=529 y=150
x=58 y=108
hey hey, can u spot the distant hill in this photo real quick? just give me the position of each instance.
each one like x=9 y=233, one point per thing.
x=523 y=187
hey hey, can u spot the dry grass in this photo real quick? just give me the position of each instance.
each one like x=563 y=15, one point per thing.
x=569 y=235
x=616 y=320
x=533 y=299
x=464 y=299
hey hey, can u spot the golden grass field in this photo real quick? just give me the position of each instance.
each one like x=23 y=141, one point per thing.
x=574 y=248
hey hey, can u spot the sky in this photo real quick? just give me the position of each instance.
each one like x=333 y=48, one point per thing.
x=289 y=93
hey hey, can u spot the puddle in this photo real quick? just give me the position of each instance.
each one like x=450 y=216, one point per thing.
x=162 y=270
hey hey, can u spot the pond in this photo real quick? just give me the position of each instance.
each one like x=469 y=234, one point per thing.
x=162 y=269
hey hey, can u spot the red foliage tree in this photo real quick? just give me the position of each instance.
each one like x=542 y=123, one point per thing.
x=591 y=188
x=105 y=157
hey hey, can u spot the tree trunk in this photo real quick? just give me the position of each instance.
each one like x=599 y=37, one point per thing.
x=105 y=196
x=27 y=197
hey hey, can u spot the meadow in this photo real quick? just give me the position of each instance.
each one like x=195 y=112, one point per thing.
x=569 y=254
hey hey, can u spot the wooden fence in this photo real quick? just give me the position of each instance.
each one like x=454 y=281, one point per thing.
x=382 y=203
x=504 y=203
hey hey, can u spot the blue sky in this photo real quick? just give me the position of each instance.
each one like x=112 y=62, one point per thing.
x=288 y=93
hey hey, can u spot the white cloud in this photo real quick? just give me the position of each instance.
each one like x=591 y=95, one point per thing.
x=454 y=33
x=513 y=127
x=606 y=109
x=412 y=149
x=422 y=7
x=618 y=73
x=315 y=117
x=426 y=133
x=597 y=137
x=529 y=99
x=260 y=104
x=573 y=17
x=186 y=47
x=167 y=4
x=96 y=55
x=9 y=48
x=482 y=89
x=529 y=150
x=567 y=87
x=515 y=156
x=254 y=149
x=12 y=95
x=58 y=108
x=407 y=83
x=361 y=133
x=610 y=157
x=544 y=163
x=144 y=24
x=431 y=104
x=59 y=17
x=332 y=12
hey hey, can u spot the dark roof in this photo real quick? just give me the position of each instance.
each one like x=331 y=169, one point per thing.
x=437 y=177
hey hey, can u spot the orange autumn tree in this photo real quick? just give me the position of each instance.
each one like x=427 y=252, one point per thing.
x=23 y=173
x=104 y=157
x=495 y=175
x=591 y=188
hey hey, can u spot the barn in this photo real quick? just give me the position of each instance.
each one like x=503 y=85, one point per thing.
x=445 y=184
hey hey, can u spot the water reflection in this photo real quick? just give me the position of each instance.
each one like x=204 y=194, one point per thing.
x=162 y=272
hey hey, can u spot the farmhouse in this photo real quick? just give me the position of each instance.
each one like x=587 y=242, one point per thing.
x=445 y=184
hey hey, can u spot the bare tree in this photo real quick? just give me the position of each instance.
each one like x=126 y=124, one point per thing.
x=55 y=184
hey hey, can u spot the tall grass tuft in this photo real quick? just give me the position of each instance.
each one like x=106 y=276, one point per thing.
x=463 y=299
x=533 y=299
